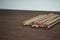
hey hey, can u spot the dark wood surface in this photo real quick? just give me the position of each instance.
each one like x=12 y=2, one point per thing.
x=11 y=27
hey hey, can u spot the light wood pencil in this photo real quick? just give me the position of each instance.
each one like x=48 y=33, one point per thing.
x=43 y=18
x=50 y=22
x=50 y=19
x=46 y=19
x=35 y=24
x=53 y=23
x=32 y=19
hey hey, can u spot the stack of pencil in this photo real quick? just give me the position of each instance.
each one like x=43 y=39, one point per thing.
x=43 y=20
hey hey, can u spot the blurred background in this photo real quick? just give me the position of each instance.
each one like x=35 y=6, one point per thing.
x=38 y=5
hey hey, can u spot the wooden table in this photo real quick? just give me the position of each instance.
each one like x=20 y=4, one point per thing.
x=11 y=27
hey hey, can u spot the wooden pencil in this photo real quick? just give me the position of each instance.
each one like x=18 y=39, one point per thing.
x=50 y=19
x=32 y=19
x=46 y=19
x=51 y=22
x=43 y=18
x=35 y=24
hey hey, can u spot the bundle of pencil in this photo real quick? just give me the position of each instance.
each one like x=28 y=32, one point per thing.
x=46 y=20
